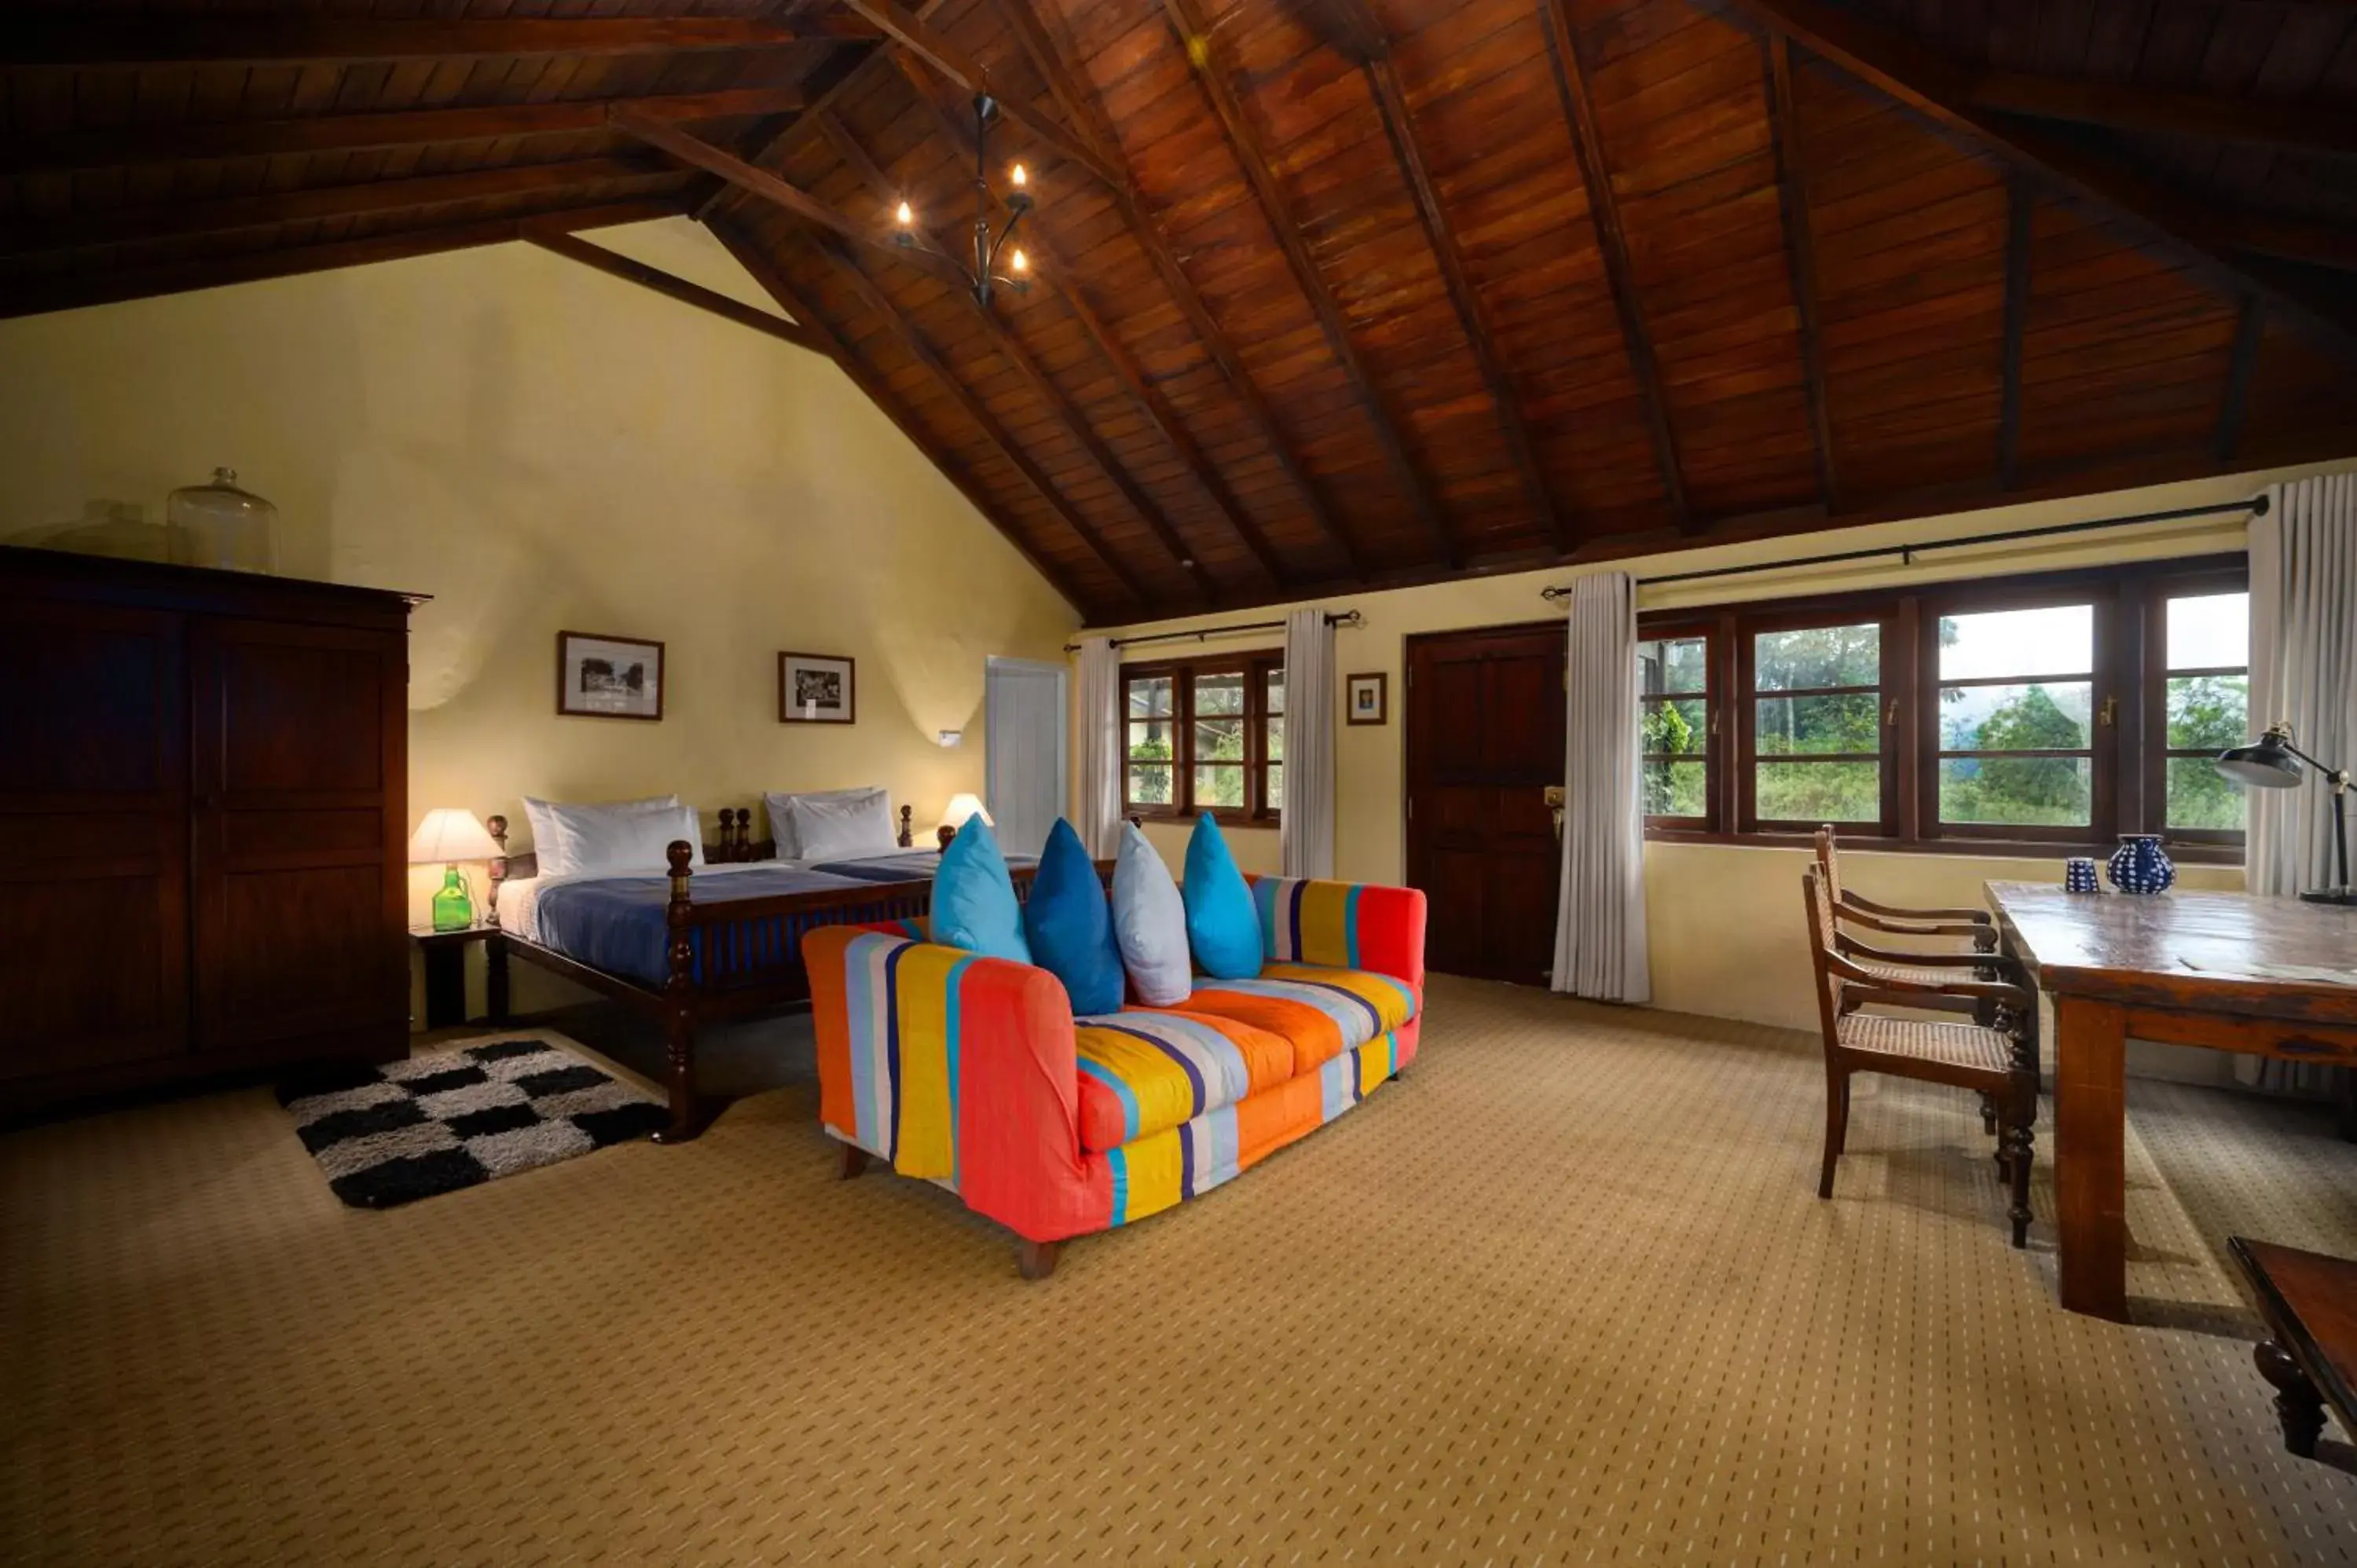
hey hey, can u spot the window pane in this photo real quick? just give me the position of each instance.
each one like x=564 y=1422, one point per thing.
x=1817 y=656
x=1219 y=784
x=1675 y=727
x=1220 y=693
x=1277 y=738
x=2210 y=632
x=1674 y=788
x=1150 y=741
x=1819 y=791
x=1785 y=727
x=2209 y=713
x=2026 y=791
x=1275 y=802
x=2057 y=640
x=1149 y=784
x=1149 y=696
x=1675 y=664
x=1276 y=691
x=2052 y=715
x=2200 y=797
x=1218 y=740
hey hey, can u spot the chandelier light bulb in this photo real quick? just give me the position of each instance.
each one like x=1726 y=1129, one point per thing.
x=905 y=216
x=1019 y=263
x=1016 y=175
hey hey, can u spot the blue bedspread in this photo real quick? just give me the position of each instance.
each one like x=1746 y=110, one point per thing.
x=905 y=866
x=617 y=923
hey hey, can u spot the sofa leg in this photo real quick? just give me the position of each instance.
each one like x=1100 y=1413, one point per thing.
x=854 y=1161
x=1035 y=1260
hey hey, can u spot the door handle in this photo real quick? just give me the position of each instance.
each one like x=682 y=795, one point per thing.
x=1552 y=796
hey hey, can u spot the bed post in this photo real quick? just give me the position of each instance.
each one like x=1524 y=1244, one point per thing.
x=907 y=835
x=679 y=1002
x=498 y=828
x=495 y=945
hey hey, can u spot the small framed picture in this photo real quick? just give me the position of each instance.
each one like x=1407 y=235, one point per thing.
x=1368 y=699
x=609 y=677
x=817 y=688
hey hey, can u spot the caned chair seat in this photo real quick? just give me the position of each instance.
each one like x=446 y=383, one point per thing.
x=1953 y=1044
x=1915 y=975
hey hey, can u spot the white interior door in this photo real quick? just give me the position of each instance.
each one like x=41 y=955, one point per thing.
x=1023 y=716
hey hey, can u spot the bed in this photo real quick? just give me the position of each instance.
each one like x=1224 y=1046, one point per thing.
x=690 y=946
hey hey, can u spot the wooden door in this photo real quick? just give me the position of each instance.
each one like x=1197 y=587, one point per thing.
x=298 y=832
x=1485 y=729
x=94 y=838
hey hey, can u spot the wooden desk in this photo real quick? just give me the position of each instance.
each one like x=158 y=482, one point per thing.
x=2115 y=964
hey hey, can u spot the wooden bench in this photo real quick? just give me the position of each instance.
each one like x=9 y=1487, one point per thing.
x=2310 y=1304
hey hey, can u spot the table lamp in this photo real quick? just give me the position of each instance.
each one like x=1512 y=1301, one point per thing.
x=2272 y=762
x=961 y=806
x=445 y=838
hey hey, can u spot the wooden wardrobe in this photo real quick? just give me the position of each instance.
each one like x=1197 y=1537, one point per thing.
x=203 y=822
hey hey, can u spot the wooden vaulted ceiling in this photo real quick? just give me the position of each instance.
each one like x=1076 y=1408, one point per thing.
x=1334 y=292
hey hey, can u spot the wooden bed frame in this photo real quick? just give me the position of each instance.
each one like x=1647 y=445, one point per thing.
x=752 y=951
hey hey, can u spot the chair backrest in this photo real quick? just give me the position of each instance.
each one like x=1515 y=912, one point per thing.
x=1820 y=911
x=1829 y=863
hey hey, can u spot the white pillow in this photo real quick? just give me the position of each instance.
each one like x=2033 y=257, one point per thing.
x=848 y=829
x=626 y=837
x=1149 y=923
x=782 y=827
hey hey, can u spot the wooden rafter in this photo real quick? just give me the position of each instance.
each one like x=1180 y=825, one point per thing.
x=1244 y=143
x=2020 y=207
x=1159 y=412
x=227 y=214
x=68 y=291
x=2234 y=405
x=836 y=346
x=1146 y=231
x=2125 y=106
x=1613 y=244
x=93 y=43
x=1035 y=376
x=768 y=145
x=1937 y=88
x=1440 y=236
x=1799 y=237
x=880 y=304
x=615 y=265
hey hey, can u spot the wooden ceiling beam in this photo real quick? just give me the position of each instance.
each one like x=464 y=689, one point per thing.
x=2020 y=203
x=1612 y=244
x=222 y=215
x=1799 y=238
x=2235 y=406
x=2126 y=106
x=72 y=290
x=880 y=304
x=115 y=147
x=1035 y=376
x=1933 y=86
x=1194 y=37
x=615 y=265
x=1146 y=231
x=838 y=347
x=90 y=43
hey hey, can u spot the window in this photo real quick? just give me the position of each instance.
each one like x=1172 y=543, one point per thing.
x=2204 y=640
x=1673 y=689
x=1816 y=725
x=2015 y=718
x=1205 y=736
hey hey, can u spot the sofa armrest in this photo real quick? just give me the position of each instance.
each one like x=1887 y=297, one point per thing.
x=958 y=1069
x=1343 y=925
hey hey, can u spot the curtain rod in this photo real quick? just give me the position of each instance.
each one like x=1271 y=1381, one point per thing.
x=2256 y=506
x=1333 y=617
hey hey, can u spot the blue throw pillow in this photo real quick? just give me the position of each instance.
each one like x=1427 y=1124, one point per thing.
x=973 y=898
x=1222 y=922
x=1149 y=923
x=1069 y=925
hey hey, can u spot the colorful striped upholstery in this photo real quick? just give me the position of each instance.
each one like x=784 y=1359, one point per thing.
x=1342 y=925
x=1324 y=1012
x=1142 y=1072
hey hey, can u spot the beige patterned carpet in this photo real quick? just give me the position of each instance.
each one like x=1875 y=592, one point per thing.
x=1565 y=1295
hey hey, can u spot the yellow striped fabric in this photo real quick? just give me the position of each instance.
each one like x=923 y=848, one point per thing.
x=925 y=1060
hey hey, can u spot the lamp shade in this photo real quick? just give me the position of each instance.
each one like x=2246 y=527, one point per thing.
x=449 y=835
x=961 y=806
x=2267 y=763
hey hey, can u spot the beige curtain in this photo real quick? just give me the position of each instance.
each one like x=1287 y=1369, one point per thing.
x=1599 y=931
x=1096 y=809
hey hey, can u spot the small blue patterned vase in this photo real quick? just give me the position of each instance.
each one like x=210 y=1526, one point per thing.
x=2141 y=865
x=2079 y=874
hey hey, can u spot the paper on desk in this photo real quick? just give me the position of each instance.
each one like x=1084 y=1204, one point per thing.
x=2315 y=974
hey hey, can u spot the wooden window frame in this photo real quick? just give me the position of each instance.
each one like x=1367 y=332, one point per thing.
x=1768 y=620
x=1258 y=810
x=1713 y=753
x=2129 y=778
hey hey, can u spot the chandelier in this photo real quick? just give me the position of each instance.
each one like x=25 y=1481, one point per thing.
x=984 y=277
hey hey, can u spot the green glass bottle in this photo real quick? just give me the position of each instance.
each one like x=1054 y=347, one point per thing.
x=453 y=911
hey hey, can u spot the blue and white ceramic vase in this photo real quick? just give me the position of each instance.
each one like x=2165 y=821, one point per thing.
x=2141 y=865
x=2079 y=874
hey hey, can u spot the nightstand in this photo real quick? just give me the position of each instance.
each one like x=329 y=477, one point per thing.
x=446 y=973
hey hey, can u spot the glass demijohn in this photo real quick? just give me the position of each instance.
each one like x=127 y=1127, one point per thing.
x=453 y=911
x=222 y=526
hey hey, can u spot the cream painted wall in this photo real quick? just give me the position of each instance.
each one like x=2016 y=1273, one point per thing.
x=539 y=446
x=1726 y=939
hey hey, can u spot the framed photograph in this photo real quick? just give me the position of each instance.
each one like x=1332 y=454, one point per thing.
x=609 y=677
x=1369 y=699
x=817 y=688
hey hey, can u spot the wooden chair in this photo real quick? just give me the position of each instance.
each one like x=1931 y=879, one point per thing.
x=1998 y=1057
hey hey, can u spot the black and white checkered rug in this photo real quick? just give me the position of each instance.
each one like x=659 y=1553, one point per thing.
x=434 y=1123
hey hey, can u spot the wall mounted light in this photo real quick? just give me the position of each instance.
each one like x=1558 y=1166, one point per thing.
x=950 y=737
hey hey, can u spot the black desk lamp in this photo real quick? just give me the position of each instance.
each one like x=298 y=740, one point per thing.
x=2272 y=762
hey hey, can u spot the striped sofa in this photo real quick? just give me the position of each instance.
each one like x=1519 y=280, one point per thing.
x=973 y=1072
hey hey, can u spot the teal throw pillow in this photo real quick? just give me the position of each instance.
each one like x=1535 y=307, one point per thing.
x=1222 y=922
x=973 y=898
x=1070 y=924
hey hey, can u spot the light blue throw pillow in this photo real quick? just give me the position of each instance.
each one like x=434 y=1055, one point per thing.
x=1069 y=925
x=1222 y=923
x=1149 y=923
x=973 y=898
